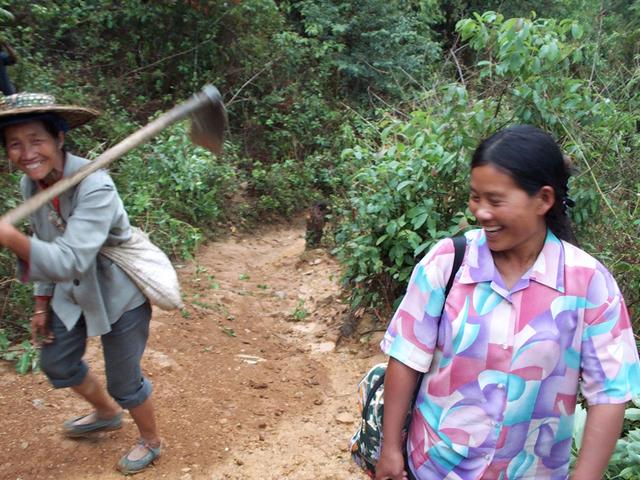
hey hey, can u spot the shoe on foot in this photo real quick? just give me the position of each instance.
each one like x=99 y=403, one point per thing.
x=129 y=467
x=74 y=429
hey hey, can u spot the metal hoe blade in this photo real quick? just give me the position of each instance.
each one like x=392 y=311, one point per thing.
x=209 y=121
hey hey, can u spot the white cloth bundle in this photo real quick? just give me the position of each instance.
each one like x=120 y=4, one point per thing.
x=149 y=268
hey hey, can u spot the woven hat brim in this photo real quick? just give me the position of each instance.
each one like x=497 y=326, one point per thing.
x=74 y=116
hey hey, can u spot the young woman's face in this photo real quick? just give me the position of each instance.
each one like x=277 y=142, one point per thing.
x=509 y=215
x=32 y=149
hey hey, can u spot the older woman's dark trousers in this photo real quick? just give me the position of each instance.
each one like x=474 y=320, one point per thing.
x=122 y=347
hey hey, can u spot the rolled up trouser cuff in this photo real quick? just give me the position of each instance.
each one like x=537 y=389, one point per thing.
x=73 y=381
x=138 y=397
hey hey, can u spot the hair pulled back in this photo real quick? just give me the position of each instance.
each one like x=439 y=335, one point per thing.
x=534 y=160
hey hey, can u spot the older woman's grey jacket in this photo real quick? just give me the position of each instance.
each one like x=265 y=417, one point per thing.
x=67 y=264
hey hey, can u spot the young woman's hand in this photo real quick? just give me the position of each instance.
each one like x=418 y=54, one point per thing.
x=40 y=332
x=399 y=385
x=390 y=466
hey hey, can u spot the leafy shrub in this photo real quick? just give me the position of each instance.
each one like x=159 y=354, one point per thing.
x=412 y=190
x=173 y=190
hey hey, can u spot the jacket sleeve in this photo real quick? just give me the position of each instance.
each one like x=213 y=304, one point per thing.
x=71 y=255
x=44 y=288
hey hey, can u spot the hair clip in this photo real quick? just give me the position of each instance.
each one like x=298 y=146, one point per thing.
x=568 y=202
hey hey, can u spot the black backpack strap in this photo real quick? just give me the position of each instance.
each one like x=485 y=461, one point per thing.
x=365 y=408
x=459 y=247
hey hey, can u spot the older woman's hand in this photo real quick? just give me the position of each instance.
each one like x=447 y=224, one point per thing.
x=15 y=240
x=40 y=332
x=7 y=231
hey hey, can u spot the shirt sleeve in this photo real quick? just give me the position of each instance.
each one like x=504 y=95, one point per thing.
x=609 y=363
x=70 y=255
x=413 y=332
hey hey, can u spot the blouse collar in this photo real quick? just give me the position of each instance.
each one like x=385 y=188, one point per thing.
x=548 y=269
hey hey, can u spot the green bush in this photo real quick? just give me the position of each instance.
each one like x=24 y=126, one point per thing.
x=412 y=190
x=175 y=190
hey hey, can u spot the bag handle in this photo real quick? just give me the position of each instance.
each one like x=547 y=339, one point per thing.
x=459 y=247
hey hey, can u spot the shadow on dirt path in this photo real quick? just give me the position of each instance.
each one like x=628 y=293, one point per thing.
x=248 y=382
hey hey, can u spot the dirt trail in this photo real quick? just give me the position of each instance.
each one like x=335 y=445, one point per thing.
x=248 y=383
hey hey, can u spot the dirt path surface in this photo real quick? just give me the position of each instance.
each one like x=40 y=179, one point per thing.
x=248 y=382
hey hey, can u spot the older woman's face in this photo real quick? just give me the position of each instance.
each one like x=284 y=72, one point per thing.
x=32 y=149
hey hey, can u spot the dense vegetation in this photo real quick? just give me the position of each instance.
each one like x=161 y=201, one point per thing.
x=373 y=105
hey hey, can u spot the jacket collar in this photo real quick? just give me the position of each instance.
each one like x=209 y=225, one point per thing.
x=72 y=164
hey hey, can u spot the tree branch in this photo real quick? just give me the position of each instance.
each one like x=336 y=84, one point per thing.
x=253 y=77
x=452 y=52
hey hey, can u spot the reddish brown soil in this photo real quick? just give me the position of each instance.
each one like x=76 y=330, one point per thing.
x=243 y=388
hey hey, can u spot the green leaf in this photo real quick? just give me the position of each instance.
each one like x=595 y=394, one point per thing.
x=404 y=184
x=632 y=414
x=553 y=51
x=381 y=239
x=23 y=363
x=576 y=31
x=580 y=417
x=421 y=248
x=419 y=220
x=431 y=227
x=4 y=342
x=6 y=14
x=228 y=331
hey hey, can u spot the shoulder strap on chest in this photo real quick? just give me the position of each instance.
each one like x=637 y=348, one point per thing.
x=459 y=247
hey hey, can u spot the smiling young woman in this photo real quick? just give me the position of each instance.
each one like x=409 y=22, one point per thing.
x=530 y=321
x=513 y=221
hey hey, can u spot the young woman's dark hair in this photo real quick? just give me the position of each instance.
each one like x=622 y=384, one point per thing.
x=533 y=159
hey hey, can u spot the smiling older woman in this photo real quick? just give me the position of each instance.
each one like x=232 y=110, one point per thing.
x=79 y=293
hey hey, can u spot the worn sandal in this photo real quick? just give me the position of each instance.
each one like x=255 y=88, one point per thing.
x=129 y=467
x=72 y=429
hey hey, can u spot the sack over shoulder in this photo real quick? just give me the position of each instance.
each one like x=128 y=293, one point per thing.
x=149 y=268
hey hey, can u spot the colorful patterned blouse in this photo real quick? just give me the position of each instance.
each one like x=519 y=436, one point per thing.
x=504 y=367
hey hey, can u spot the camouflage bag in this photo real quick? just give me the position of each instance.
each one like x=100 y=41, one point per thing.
x=366 y=442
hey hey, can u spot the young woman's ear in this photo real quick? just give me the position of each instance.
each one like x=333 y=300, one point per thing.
x=547 y=198
x=60 y=139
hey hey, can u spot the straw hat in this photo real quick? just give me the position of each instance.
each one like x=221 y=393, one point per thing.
x=27 y=104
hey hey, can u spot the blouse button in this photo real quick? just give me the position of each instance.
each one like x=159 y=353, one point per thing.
x=501 y=386
x=76 y=282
